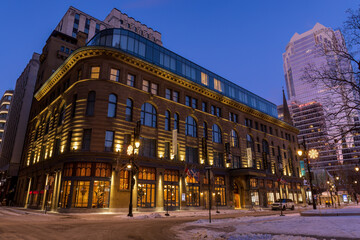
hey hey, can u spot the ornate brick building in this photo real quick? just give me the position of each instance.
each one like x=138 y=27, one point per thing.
x=81 y=133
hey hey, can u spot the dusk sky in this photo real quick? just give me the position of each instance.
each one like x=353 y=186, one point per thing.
x=242 y=41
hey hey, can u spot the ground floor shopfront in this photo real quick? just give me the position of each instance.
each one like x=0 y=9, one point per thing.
x=105 y=185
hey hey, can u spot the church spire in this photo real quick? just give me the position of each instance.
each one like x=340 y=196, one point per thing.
x=287 y=117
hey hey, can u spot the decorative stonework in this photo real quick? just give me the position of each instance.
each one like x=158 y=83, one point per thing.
x=88 y=52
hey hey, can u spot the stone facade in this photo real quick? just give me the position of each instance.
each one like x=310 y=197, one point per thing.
x=71 y=157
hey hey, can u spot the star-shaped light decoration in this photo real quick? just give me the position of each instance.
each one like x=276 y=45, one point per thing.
x=313 y=153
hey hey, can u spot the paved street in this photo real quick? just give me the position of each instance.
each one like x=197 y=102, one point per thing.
x=18 y=223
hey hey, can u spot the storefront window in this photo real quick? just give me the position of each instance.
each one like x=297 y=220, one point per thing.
x=171 y=176
x=68 y=169
x=146 y=195
x=270 y=198
x=253 y=182
x=64 y=194
x=254 y=197
x=101 y=194
x=80 y=194
x=83 y=170
x=220 y=191
x=192 y=196
x=124 y=180
x=103 y=170
x=171 y=195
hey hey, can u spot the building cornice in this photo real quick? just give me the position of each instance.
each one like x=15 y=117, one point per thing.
x=90 y=52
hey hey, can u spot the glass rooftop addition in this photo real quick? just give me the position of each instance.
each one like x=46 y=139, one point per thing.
x=133 y=44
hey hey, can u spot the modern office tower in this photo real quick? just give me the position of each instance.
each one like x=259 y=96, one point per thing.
x=87 y=116
x=5 y=103
x=308 y=100
x=15 y=129
x=75 y=21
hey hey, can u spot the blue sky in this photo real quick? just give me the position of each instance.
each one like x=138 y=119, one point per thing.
x=242 y=41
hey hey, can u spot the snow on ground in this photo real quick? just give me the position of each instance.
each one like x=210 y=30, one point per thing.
x=272 y=227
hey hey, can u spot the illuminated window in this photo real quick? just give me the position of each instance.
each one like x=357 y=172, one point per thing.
x=145 y=86
x=204 y=79
x=103 y=170
x=68 y=170
x=114 y=74
x=130 y=80
x=95 y=72
x=253 y=182
x=171 y=176
x=154 y=88
x=218 y=85
x=83 y=170
x=80 y=194
x=220 y=191
x=64 y=194
x=124 y=180
x=101 y=194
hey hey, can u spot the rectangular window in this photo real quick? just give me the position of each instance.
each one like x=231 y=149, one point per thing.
x=213 y=110
x=97 y=28
x=130 y=80
x=192 y=155
x=194 y=103
x=109 y=141
x=148 y=148
x=95 y=72
x=167 y=150
x=145 y=86
x=187 y=101
x=154 y=88
x=114 y=74
x=79 y=74
x=256 y=125
x=218 y=112
x=86 y=140
x=218 y=159
x=80 y=194
x=218 y=85
x=68 y=142
x=270 y=130
x=204 y=79
x=204 y=107
x=175 y=96
x=124 y=180
x=168 y=94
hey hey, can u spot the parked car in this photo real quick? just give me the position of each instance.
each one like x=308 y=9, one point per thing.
x=284 y=204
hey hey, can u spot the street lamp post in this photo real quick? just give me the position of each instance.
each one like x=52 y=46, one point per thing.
x=312 y=154
x=131 y=165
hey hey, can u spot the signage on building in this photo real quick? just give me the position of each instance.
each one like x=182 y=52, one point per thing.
x=249 y=156
x=183 y=197
x=345 y=198
x=302 y=168
x=174 y=142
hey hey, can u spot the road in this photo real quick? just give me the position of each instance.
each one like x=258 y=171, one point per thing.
x=21 y=224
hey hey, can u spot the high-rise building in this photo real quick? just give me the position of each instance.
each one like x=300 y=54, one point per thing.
x=5 y=103
x=15 y=129
x=315 y=106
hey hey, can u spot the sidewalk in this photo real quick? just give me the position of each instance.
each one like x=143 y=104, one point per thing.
x=344 y=210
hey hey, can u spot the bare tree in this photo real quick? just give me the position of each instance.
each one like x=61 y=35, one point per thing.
x=336 y=74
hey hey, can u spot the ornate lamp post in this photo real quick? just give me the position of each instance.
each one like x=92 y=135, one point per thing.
x=313 y=154
x=131 y=166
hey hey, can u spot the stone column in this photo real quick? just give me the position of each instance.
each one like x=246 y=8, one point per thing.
x=27 y=194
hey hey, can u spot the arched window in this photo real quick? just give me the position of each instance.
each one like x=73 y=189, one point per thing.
x=167 y=120
x=90 y=103
x=61 y=116
x=148 y=115
x=234 y=139
x=250 y=152
x=176 y=122
x=205 y=135
x=190 y=127
x=112 y=105
x=129 y=110
x=216 y=134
